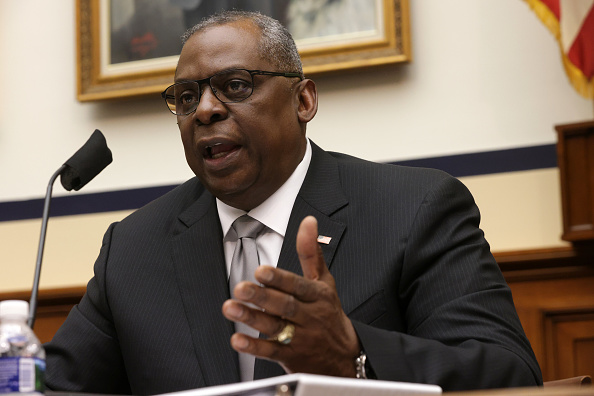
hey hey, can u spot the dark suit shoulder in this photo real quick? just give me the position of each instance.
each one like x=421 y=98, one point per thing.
x=369 y=177
x=352 y=163
x=167 y=207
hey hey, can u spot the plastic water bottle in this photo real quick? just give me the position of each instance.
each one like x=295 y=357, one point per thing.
x=22 y=358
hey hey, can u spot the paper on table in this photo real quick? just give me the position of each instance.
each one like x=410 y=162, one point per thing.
x=314 y=385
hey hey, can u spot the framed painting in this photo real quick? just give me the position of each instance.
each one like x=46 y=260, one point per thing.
x=130 y=47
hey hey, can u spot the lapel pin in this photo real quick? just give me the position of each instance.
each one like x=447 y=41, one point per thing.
x=324 y=239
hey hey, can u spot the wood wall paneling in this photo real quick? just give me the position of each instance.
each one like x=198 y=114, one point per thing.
x=575 y=155
x=570 y=338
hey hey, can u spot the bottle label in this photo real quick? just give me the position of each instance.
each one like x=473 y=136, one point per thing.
x=20 y=374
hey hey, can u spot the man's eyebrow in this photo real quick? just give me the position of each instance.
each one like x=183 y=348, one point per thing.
x=228 y=69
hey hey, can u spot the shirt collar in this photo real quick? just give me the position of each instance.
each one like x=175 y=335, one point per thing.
x=274 y=213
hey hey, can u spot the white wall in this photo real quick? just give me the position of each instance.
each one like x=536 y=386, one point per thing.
x=486 y=75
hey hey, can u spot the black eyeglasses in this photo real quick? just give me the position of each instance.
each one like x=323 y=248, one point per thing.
x=229 y=86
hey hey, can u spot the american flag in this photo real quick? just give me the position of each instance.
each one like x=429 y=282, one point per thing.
x=572 y=24
x=324 y=239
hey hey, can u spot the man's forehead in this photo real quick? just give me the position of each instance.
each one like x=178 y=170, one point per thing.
x=219 y=48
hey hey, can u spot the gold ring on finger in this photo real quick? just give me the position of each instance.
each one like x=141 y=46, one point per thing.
x=286 y=335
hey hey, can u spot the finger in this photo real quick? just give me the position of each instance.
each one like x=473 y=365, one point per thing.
x=274 y=302
x=287 y=282
x=256 y=319
x=308 y=249
x=265 y=349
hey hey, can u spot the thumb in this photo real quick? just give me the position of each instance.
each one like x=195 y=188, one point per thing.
x=308 y=249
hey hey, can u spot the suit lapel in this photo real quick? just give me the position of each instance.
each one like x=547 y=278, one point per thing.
x=321 y=196
x=202 y=278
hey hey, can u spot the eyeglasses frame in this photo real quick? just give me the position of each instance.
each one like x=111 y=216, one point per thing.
x=207 y=80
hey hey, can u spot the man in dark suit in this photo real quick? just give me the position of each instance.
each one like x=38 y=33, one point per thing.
x=367 y=269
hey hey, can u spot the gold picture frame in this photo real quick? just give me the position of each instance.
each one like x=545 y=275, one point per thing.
x=98 y=79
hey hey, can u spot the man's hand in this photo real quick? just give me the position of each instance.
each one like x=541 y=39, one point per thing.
x=325 y=341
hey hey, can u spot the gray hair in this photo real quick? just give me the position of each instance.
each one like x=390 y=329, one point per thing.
x=276 y=44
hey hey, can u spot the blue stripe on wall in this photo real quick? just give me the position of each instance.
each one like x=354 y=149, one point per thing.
x=500 y=161
x=82 y=203
x=485 y=163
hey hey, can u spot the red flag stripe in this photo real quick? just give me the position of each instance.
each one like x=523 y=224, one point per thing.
x=578 y=61
x=581 y=52
x=553 y=5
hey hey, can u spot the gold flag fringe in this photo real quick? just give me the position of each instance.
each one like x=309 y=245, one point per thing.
x=579 y=81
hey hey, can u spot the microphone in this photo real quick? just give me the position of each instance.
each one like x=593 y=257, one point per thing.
x=75 y=173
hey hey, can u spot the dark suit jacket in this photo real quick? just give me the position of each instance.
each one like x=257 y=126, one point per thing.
x=412 y=270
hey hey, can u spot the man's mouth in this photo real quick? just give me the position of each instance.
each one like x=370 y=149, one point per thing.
x=219 y=150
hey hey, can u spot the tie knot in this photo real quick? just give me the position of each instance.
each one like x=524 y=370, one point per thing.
x=247 y=227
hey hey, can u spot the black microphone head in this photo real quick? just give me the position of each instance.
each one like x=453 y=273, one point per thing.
x=86 y=163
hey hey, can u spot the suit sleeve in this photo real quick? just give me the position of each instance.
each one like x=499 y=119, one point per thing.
x=84 y=355
x=462 y=330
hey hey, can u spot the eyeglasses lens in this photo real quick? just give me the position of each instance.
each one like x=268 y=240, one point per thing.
x=229 y=86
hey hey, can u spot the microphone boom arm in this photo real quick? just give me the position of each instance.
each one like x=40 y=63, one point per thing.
x=81 y=168
x=46 y=208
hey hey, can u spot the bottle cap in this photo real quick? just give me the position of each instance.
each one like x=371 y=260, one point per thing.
x=14 y=308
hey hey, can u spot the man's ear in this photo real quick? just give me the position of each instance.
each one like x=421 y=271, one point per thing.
x=308 y=101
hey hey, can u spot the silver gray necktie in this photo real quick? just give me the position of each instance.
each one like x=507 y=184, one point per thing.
x=244 y=264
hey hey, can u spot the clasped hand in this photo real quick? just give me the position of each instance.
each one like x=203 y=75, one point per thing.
x=324 y=342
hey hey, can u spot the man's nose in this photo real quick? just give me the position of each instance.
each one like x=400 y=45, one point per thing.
x=210 y=108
